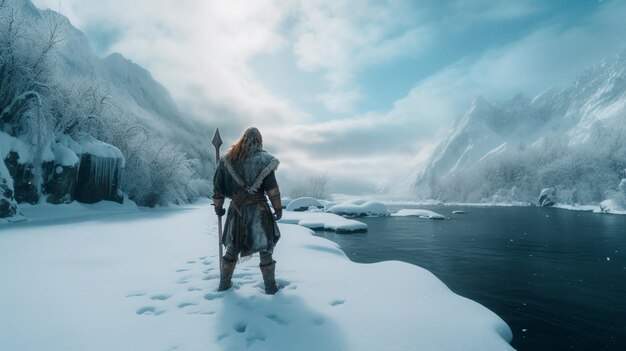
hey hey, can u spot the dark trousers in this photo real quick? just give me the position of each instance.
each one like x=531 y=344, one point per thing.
x=232 y=253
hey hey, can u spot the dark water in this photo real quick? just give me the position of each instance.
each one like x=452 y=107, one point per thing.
x=557 y=277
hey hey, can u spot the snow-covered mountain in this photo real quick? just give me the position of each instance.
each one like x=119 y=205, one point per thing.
x=509 y=150
x=168 y=157
x=132 y=88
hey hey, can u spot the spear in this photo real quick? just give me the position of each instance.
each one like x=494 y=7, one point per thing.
x=217 y=142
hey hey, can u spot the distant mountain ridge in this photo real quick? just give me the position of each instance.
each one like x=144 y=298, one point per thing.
x=138 y=83
x=582 y=116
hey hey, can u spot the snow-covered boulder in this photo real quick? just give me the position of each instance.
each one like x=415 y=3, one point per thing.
x=314 y=209
x=8 y=206
x=16 y=175
x=418 y=213
x=547 y=197
x=359 y=209
x=23 y=174
x=612 y=206
x=356 y=201
x=303 y=204
x=61 y=172
x=328 y=205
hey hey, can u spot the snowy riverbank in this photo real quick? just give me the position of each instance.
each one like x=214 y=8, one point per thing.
x=606 y=207
x=146 y=280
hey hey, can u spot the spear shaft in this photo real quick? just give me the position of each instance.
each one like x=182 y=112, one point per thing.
x=217 y=142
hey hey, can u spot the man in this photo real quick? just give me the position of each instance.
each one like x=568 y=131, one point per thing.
x=245 y=175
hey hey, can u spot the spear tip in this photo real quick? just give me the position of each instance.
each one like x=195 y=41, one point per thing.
x=217 y=139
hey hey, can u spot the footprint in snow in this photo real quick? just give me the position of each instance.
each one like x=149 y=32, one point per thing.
x=202 y=312
x=136 y=294
x=187 y=304
x=318 y=320
x=182 y=270
x=211 y=277
x=240 y=327
x=183 y=280
x=253 y=338
x=161 y=297
x=337 y=302
x=248 y=305
x=283 y=284
x=274 y=318
x=149 y=310
x=213 y=296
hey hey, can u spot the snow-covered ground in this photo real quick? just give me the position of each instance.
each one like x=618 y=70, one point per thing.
x=606 y=207
x=146 y=280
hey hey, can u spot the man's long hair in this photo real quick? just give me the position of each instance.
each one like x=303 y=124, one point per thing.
x=250 y=141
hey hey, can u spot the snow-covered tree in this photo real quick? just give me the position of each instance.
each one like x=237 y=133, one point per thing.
x=315 y=186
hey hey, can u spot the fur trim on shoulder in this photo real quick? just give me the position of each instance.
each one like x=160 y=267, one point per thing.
x=233 y=173
x=272 y=166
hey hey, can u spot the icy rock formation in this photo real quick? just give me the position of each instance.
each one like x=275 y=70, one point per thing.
x=8 y=206
x=15 y=159
x=24 y=180
x=98 y=171
x=547 y=198
x=99 y=178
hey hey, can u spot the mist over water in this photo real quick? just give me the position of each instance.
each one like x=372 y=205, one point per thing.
x=557 y=277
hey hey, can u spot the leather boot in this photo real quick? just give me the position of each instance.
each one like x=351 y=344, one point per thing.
x=268 y=278
x=226 y=274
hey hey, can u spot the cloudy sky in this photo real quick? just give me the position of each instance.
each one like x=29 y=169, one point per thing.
x=359 y=90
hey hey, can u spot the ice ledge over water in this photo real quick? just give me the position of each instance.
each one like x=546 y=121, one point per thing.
x=418 y=213
x=323 y=221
